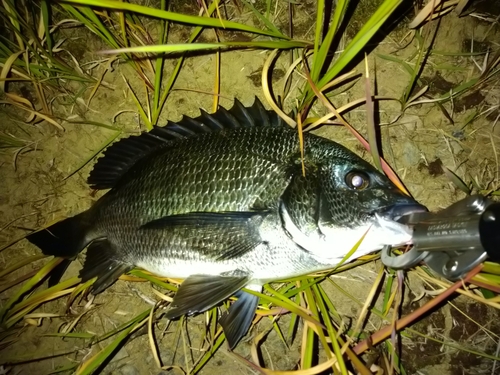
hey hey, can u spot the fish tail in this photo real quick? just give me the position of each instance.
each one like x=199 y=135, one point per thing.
x=64 y=239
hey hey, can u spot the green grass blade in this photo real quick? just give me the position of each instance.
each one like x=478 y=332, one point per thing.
x=280 y=300
x=312 y=303
x=208 y=354
x=292 y=327
x=388 y=290
x=401 y=62
x=40 y=275
x=97 y=360
x=159 y=64
x=20 y=264
x=491 y=267
x=21 y=309
x=457 y=181
x=45 y=11
x=142 y=113
x=105 y=34
x=10 y=8
x=264 y=19
x=175 y=73
x=123 y=326
x=323 y=308
x=153 y=279
x=77 y=291
x=176 y=17
x=186 y=47
x=81 y=14
x=359 y=42
x=326 y=45
x=71 y=335
x=317 y=63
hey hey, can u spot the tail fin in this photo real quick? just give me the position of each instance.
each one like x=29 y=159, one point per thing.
x=63 y=239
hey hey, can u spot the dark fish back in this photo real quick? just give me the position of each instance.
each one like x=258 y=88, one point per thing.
x=123 y=155
x=244 y=169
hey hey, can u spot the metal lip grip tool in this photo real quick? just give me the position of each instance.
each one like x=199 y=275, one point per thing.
x=452 y=241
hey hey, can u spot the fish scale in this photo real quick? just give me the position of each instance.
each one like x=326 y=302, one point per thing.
x=220 y=201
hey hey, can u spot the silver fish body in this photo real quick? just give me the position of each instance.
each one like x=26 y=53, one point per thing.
x=222 y=201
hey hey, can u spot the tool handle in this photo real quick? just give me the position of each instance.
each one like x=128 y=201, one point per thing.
x=454 y=240
x=461 y=232
x=489 y=231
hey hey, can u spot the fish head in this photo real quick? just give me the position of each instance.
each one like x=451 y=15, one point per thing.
x=356 y=199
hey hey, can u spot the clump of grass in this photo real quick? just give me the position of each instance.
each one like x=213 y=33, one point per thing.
x=30 y=57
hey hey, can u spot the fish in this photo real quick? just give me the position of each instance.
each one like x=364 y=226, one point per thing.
x=222 y=202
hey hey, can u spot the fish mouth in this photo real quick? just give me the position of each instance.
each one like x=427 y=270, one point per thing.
x=402 y=212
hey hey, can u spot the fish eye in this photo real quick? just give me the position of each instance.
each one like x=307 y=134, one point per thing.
x=357 y=180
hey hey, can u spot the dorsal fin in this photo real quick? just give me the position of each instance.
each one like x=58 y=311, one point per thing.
x=122 y=155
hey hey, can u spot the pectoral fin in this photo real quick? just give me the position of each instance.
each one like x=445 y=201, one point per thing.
x=216 y=235
x=200 y=292
x=237 y=322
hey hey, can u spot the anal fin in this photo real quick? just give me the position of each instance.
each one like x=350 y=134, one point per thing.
x=100 y=262
x=200 y=292
x=239 y=318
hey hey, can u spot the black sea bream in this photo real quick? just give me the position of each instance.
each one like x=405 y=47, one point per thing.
x=221 y=201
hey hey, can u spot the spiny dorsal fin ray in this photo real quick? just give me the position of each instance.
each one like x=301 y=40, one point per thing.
x=122 y=155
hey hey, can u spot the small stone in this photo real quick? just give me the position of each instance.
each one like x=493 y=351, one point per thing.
x=128 y=369
x=411 y=154
x=458 y=134
x=456 y=147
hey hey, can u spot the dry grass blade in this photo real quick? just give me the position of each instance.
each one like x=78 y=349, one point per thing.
x=20 y=264
x=301 y=144
x=267 y=91
x=402 y=323
x=28 y=107
x=8 y=285
x=6 y=68
x=151 y=338
x=370 y=117
x=368 y=302
x=40 y=275
x=318 y=369
x=19 y=310
x=457 y=181
x=145 y=118
x=433 y=10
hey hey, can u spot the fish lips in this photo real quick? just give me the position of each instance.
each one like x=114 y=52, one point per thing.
x=399 y=211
